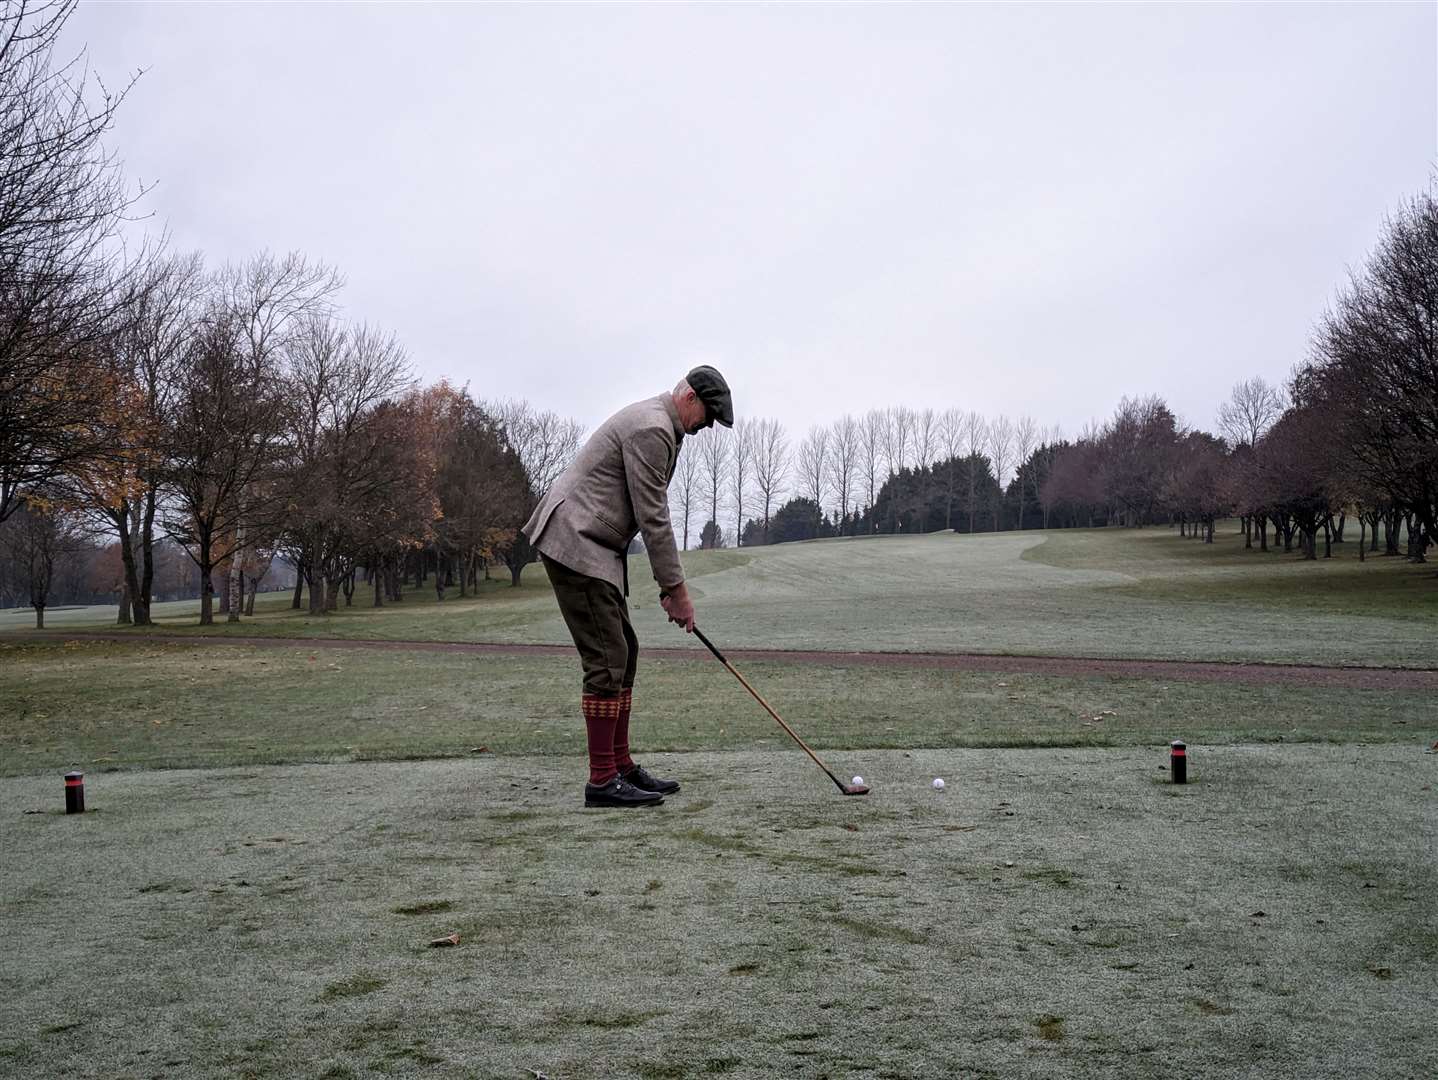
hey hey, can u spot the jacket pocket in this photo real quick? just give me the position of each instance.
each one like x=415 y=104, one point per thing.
x=615 y=529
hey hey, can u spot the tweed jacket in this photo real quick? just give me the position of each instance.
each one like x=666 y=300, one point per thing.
x=616 y=487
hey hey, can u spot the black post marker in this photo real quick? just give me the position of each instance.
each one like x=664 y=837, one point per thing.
x=74 y=793
x=1178 y=761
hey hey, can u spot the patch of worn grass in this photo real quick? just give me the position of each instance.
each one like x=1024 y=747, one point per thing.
x=427 y=907
x=354 y=986
x=605 y=1017
x=1050 y=875
x=1209 y=1008
x=713 y=840
x=662 y=1070
x=414 y=1052
x=820 y=863
x=213 y=706
x=513 y=816
x=1050 y=1027
x=881 y=931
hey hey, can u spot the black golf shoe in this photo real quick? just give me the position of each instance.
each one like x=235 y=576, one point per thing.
x=640 y=778
x=620 y=792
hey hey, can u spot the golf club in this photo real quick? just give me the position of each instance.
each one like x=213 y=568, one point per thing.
x=847 y=789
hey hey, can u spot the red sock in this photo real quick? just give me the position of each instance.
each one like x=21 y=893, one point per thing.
x=622 y=761
x=600 y=716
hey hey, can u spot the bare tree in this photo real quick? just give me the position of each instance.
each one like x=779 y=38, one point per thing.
x=741 y=472
x=976 y=433
x=135 y=369
x=715 y=450
x=1250 y=411
x=814 y=470
x=157 y=333
x=1050 y=440
x=771 y=465
x=1136 y=455
x=483 y=492
x=62 y=198
x=926 y=445
x=685 y=491
x=951 y=445
x=222 y=442
x=1001 y=448
x=895 y=436
x=1375 y=356
x=1026 y=441
x=546 y=443
x=265 y=298
x=844 y=453
x=40 y=534
x=871 y=456
x=335 y=378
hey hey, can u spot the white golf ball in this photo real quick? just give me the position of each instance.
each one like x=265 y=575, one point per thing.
x=858 y=780
x=938 y=783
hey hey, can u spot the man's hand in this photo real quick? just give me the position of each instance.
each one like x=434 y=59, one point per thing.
x=678 y=606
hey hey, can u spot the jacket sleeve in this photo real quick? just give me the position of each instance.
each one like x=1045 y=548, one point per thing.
x=646 y=473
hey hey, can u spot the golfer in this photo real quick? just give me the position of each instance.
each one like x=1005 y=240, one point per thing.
x=616 y=487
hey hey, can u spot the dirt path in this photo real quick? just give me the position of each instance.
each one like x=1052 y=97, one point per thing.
x=1359 y=678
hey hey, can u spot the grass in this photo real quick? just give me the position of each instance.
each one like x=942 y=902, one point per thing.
x=171 y=706
x=276 y=835
x=1107 y=592
x=955 y=954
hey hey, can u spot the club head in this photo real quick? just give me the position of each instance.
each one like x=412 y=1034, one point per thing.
x=854 y=789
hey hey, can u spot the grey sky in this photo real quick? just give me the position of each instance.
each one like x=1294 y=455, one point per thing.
x=1010 y=209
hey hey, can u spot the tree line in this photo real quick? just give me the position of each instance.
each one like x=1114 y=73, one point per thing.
x=232 y=412
x=1352 y=436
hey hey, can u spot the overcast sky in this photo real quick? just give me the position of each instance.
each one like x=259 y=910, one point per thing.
x=1009 y=209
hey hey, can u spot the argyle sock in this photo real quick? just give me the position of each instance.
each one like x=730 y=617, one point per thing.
x=600 y=716
x=622 y=761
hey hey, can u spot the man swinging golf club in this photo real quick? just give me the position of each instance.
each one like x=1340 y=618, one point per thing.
x=618 y=486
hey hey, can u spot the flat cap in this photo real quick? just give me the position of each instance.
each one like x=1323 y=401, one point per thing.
x=711 y=388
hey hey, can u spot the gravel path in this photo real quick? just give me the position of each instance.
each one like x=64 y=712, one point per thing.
x=1357 y=678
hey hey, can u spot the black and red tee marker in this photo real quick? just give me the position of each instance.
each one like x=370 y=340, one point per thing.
x=1178 y=761
x=74 y=793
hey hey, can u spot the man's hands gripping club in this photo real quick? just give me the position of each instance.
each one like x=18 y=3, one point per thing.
x=678 y=606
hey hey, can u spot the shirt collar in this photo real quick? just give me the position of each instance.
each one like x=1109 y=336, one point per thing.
x=673 y=411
